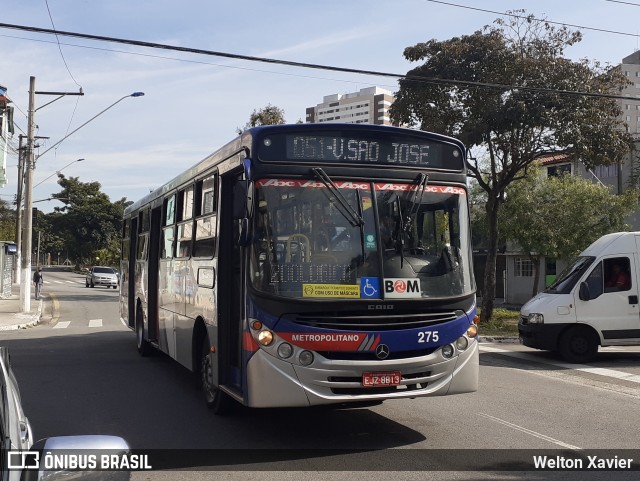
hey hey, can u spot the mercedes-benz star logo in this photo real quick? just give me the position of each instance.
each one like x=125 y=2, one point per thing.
x=382 y=351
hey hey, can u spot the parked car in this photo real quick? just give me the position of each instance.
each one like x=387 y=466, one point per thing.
x=102 y=276
x=23 y=456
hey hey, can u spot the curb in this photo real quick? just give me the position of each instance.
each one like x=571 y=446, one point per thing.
x=30 y=320
x=500 y=339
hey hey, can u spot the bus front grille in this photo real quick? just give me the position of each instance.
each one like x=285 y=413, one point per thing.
x=371 y=355
x=338 y=321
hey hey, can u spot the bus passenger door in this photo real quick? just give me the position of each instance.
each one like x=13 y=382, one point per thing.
x=153 y=272
x=131 y=272
x=231 y=290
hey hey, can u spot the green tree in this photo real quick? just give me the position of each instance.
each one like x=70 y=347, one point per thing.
x=7 y=221
x=558 y=217
x=89 y=222
x=507 y=100
x=269 y=115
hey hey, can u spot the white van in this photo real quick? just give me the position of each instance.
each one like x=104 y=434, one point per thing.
x=593 y=302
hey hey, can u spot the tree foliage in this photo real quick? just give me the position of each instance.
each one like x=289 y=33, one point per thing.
x=7 y=221
x=269 y=115
x=558 y=217
x=87 y=223
x=509 y=101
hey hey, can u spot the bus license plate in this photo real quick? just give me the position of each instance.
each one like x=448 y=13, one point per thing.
x=373 y=379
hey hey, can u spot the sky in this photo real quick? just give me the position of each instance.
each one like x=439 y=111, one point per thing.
x=193 y=104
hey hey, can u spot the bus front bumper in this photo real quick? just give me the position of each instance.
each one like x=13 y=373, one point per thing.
x=273 y=382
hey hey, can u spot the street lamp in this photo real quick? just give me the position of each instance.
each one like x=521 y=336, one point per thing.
x=134 y=94
x=25 y=285
x=57 y=172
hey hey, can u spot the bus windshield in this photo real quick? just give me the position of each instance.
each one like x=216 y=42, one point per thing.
x=409 y=245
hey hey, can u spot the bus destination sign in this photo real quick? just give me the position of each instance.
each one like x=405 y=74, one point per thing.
x=393 y=150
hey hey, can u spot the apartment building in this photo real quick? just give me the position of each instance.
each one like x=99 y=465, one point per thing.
x=367 y=106
x=631 y=109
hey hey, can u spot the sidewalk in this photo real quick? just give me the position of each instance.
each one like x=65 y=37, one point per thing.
x=11 y=315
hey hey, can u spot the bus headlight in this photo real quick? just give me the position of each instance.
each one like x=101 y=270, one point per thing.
x=265 y=337
x=535 y=318
x=305 y=358
x=447 y=351
x=472 y=331
x=285 y=350
x=462 y=343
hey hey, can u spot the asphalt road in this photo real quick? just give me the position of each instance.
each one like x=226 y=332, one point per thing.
x=80 y=373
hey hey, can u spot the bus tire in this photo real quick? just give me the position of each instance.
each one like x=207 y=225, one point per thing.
x=143 y=346
x=215 y=399
x=578 y=344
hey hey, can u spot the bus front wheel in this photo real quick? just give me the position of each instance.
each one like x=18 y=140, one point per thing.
x=215 y=399
x=141 y=343
x=578 y=344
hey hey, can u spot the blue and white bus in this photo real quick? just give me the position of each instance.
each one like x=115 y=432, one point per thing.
x=310 y=264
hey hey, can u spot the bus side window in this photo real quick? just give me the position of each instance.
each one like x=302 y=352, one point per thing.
x=184 y=237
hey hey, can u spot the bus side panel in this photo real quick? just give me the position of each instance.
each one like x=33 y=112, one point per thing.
x=166 y=305
x=185 y=318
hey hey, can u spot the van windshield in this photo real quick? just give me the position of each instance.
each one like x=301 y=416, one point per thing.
x=569 y=277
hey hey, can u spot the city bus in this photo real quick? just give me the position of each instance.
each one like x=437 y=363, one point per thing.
x=309 y=264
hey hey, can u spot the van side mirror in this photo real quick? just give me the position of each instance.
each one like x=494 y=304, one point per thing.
x=584 y=293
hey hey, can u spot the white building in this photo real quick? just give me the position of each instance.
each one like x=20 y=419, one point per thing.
x=6 y=129
x=367 y=106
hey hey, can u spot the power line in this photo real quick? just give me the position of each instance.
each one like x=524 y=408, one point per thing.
x=59 y=47
x=625 y=3
x=198 y=62
x=332 y=68
x=64 y=60
x=505 y=14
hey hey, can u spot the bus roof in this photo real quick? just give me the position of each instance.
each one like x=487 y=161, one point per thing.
x=246 y=143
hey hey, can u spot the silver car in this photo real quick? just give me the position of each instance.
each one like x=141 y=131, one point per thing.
x=102 y=276
x=23 y=457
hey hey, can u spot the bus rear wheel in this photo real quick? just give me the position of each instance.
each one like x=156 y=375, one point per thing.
x=215 y=399
x=578 y=344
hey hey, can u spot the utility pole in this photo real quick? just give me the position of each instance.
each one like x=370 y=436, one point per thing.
x=19 y=194
x=29 y=165
x=18 y=265
x=27 y=241
x=25 y=286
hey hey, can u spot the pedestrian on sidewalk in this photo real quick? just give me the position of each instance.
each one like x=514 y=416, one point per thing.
x=37 y=279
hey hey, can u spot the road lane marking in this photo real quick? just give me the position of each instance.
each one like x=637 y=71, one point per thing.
x=532 y=433
x=600 y=371
x=55 y=308
x=95 y=323
x=62 y=325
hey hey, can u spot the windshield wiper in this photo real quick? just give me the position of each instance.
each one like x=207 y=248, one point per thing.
x=349 y=213
x=416 y=199
x=400 y=232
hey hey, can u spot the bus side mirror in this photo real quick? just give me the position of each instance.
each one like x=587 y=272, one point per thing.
x=244 y=234
x=584 y=292
x=240 y=191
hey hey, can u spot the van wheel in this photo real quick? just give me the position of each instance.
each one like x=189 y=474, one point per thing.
x=578 y=344
x=215 y=399
x=143 y=346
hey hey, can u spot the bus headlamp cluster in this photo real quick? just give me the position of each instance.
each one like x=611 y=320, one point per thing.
x=274 y=345
x=461 y=344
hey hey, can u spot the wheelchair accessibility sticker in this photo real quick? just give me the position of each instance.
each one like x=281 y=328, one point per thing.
x=370 y=288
